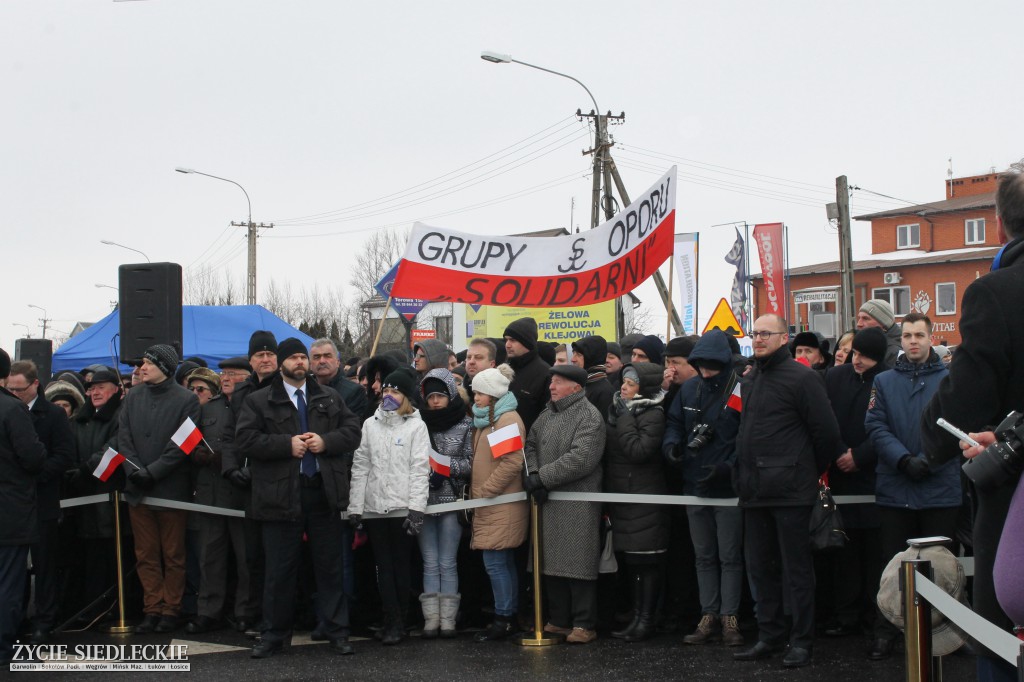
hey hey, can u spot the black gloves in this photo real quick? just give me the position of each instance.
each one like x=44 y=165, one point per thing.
x=240 y=478
x=142 y=479
x=355 y=519
x=712 y=473
x=915 y=468
x=413 y=522
x=535 y=489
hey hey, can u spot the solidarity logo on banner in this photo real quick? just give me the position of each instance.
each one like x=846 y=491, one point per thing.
x=538 y=272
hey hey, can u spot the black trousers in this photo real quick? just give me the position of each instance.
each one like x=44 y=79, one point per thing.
x=45 y=568
x=13 y=573
x=898 y=525
x=573 y=603
x=391 y=549
x=777 y=550
x=282 y=541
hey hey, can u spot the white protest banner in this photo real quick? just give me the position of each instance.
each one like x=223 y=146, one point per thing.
x=573 y=270
x=686 y=266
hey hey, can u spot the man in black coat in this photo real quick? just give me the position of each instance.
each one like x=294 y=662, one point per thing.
x=530 y=385
x=296 y=433
x=985 y=383
x=21 y=459
x=857 y=567
x=54 y=432
x=590 y=353
x=788 y=436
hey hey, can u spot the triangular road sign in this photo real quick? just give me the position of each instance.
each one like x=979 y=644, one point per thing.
x=724 y=319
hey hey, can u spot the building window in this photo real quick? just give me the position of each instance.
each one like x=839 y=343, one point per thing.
x=974 y=231
x=897 y=297
x=443 y=329
x=945 y=298
x=908 y=236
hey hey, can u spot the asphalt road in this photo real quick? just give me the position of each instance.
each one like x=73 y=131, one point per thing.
x=224 y=656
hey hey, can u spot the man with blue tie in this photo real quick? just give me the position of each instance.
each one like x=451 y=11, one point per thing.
x=296 y=432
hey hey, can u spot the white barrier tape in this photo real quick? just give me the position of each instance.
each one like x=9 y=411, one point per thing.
x=1000 y=642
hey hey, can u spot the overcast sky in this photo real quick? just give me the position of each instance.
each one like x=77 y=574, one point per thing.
x=324 y=108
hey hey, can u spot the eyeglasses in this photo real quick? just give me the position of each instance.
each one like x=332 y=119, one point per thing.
x=764 y=335
x=199 y=389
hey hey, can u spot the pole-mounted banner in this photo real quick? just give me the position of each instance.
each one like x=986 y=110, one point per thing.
x=572 y=270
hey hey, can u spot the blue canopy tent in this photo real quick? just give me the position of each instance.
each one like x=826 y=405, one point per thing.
x=212 y=332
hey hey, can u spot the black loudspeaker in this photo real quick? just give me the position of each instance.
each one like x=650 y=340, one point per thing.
x=149 y=303
x=39 y=351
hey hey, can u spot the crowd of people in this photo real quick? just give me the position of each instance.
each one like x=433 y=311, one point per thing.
x=339 y=468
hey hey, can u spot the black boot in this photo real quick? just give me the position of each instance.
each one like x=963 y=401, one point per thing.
x=627 y=632
x=650 y=591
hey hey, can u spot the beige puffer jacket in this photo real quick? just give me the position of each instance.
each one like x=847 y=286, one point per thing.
x=502 y=526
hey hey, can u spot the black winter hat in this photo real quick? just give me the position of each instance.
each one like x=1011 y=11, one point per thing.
x=594 y=350
x=5 y=364
x=237 y=362
x=164 y=357
x=572 y=373
x=262 y=340
x=290 y=347
x=524 y=330
x=404 y=379
x=871 y=342
x=680 y=346
x=652 y=346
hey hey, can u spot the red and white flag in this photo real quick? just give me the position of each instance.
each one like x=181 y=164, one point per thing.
x=505 y=440
x=187 y=436
x=108 y=464
x=735 y=401
x=440 y=464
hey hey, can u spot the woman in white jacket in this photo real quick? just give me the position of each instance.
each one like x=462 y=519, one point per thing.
x=390 y=472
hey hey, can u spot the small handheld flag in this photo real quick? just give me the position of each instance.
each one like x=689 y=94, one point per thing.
x=505 y=440
x=188 y=436
x=440 y=464
x=108 y=464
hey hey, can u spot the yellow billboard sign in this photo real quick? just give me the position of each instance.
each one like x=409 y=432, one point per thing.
x=557 y=325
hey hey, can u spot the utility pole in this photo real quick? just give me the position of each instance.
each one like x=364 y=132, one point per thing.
x=251 y=228
x=606 y=173
x=846 y=300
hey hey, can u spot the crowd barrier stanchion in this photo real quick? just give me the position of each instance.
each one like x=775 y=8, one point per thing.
x=122 y=627
x=917 y=619
x=539 y=638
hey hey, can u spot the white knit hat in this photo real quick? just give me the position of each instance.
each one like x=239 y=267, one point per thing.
x=493 y=381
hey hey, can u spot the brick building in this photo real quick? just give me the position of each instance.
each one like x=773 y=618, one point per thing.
x=922 y=258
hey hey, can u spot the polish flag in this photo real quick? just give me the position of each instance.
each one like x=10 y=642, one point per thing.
x=505 y=440
x=187 y=436
x=108 y=464
x=735 y=401
x=440 y=464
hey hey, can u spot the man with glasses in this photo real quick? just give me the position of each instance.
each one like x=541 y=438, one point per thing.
x=787 y=438
x=217 y=533
x=54 y=432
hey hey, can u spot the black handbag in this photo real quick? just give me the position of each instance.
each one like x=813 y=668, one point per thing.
x=827 y=530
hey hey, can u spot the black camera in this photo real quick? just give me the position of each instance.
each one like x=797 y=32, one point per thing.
x=700 y=436
x=1002 y=460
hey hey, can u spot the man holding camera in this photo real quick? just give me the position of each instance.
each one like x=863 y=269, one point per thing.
x=984 y=384
x=788 y=436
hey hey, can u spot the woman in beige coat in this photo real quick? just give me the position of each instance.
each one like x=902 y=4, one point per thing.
x=497 y=470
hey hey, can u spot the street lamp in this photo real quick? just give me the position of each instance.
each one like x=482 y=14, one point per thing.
x=45 y=319
x=250 y=234
x=110 y=243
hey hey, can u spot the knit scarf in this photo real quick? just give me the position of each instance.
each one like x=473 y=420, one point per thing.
x=482 y=415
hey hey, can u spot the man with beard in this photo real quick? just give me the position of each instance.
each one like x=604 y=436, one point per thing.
x=296 y=433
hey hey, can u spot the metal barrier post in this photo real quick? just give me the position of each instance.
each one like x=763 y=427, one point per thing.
x=122 y=628
x=539 y=638
x=917 y=619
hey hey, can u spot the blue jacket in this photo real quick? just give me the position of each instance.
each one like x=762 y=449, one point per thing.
x=893 y=422
x=699 y=398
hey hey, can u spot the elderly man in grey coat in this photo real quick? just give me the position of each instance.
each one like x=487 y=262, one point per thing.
x=563 y=453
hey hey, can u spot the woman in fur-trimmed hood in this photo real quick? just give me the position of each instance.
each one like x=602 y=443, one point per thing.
x=633 y=464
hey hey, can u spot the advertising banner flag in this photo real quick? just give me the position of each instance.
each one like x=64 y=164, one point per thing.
x=539 y=272
x=686 y=265
x=773 y=267
x=406 y=307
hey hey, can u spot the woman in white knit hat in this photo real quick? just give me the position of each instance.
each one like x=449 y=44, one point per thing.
x=497 y=470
